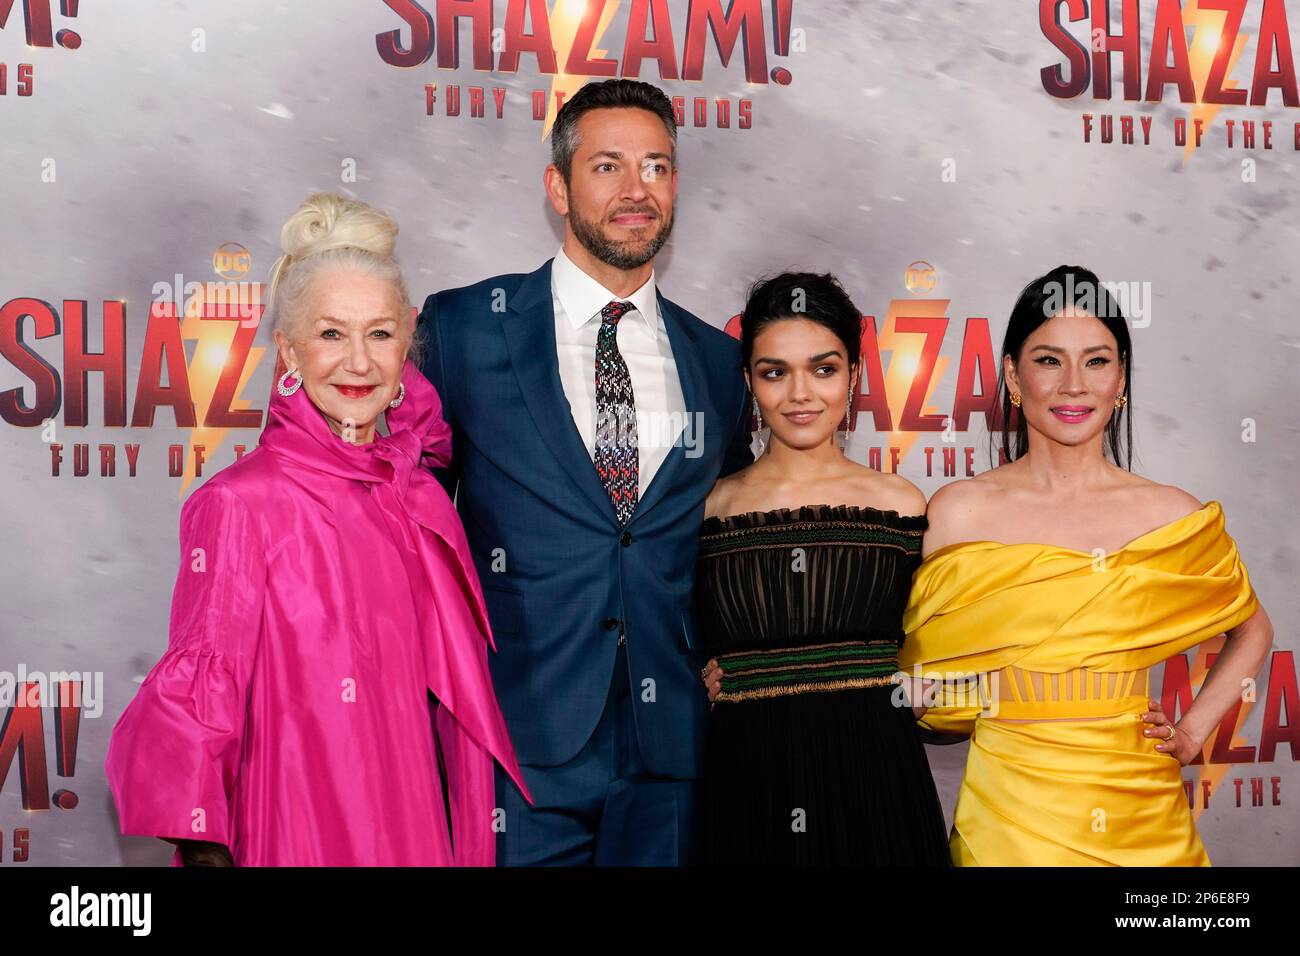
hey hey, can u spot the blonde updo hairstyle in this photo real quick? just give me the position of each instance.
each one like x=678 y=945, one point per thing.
x=326 y=232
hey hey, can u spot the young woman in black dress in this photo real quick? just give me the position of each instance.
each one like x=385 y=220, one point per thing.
x=805 y=563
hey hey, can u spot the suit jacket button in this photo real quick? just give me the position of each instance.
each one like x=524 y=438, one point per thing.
x=610 y=623
x=626 y=539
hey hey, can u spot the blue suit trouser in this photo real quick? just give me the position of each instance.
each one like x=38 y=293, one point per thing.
x=602 y=807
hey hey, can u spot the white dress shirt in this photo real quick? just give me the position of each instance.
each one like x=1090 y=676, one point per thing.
x=643 y=342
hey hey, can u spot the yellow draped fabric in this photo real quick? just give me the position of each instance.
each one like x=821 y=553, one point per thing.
x=1029 y=639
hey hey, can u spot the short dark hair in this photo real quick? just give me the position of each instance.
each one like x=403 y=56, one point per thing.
x=822 y=300
x=606 y=94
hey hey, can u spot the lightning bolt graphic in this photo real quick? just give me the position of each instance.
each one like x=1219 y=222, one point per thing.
x=904 y=350
x=566 y=16
x=1205 y=43
x=213 y=338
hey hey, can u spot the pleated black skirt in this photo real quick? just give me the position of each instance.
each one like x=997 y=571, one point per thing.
x=830 y=778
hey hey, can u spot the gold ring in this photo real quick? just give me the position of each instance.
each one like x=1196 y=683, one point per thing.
x=1172 y=730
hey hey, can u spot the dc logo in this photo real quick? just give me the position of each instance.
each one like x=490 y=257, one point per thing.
x=920 y=277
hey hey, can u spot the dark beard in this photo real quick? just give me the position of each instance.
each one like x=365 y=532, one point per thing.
x=620 y=255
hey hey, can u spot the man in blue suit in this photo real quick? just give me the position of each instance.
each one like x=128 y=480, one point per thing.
x=591 y=416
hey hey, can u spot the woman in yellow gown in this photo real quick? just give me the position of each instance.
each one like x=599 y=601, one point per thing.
x=1040 y=651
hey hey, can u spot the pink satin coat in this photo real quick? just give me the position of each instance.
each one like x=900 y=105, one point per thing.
x=324 y=590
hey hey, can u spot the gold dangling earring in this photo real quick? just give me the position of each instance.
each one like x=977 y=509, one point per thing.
x=762 y=445
x=1015 y=399
x=1121 y=401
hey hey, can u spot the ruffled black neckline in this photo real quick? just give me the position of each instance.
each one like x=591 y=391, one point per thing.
x=864 y=513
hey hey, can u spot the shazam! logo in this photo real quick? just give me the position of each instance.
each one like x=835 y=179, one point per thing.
x=40 y=32
x=40 y=24
x=1191 y=52
x=196 y=359
x=571 y=43
x=221 y=319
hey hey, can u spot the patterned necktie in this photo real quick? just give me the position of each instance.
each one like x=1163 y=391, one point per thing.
x=617 y=459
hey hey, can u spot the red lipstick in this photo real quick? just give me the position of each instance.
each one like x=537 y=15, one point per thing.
x=355 y=391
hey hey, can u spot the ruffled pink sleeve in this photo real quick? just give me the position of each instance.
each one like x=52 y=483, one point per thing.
x=174 y=754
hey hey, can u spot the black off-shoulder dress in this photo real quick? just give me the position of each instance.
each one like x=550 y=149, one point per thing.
x=811 y=756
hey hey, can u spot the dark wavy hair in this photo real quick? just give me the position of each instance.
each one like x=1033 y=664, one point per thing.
x=823 y=301
x=1080 y=287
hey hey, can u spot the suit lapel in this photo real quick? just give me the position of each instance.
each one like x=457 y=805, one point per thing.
x=695 y=395
x=530 y=339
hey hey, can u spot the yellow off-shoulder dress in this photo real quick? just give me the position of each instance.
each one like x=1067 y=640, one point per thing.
x=1039 y=633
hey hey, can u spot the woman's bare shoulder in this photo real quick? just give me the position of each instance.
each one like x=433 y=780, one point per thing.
x=1160 y=504
x=957 y=511
x=874 y=489
x=964 y=496
x=723 y=494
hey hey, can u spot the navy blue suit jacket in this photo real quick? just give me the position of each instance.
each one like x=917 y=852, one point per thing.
x=561 y=578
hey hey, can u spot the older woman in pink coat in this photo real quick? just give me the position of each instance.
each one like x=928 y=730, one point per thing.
x=325 y=696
